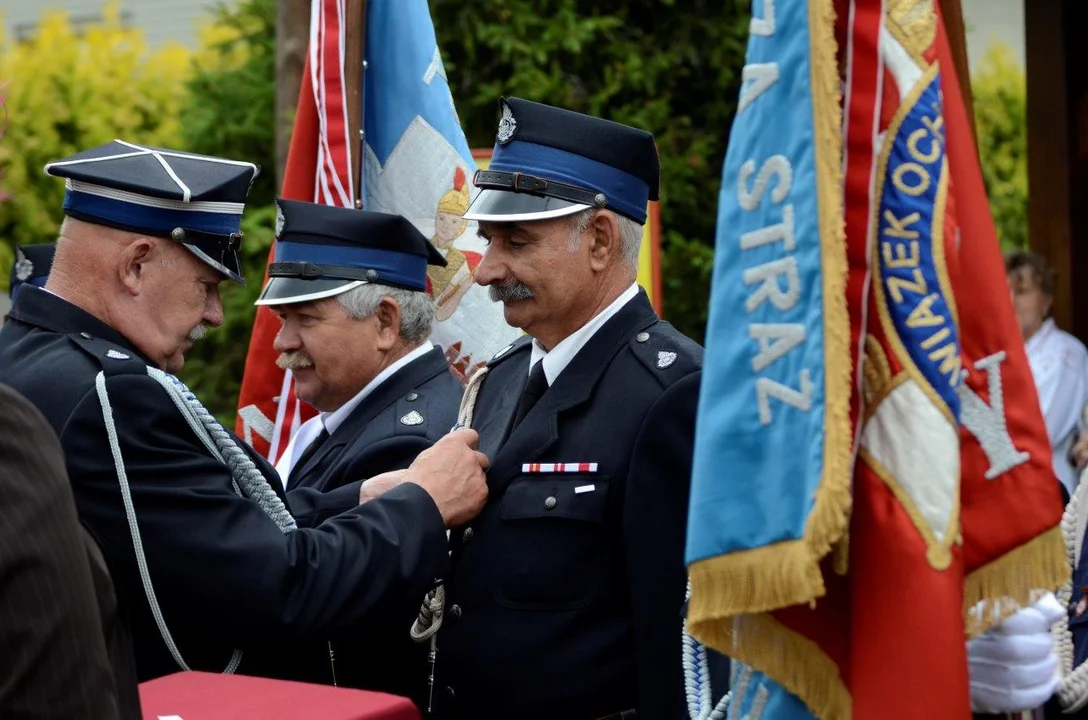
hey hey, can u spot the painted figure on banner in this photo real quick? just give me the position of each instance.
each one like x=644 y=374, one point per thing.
x=449 y=284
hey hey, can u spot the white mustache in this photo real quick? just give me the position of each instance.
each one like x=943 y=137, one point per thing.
x=294 y=361
x=197 y=333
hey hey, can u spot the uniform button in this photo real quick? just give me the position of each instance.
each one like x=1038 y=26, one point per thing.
x=466 y=536
x=412 y=397
x=450 y=693
x=455 y=612
x=549 y=503
x=642 y=337
x=85 y=335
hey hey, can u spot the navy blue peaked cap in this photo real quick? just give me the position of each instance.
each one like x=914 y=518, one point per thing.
x=322 y=251
x=31 y=266
x=196 y=200
x=550 y=162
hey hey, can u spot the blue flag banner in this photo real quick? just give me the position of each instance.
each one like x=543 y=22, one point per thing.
x=419 y=165
x=773 y=450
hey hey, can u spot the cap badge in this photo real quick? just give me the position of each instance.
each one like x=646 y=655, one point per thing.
x=23 y=267
x=279 y=220
x=665 y=358
x=412 y=418
x=507 y=125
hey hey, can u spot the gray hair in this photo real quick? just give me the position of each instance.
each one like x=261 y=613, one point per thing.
x=416 y=308
x=630 y=235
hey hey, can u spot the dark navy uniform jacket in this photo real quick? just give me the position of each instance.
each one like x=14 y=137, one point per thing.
x=226 y=577
x=565 y=596
x=401 y=418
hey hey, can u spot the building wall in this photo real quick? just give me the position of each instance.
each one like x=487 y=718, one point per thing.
x=161 y=20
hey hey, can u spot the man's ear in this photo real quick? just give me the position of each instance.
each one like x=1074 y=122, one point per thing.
x=604 y=245
x=133 y=263
x=388 y=316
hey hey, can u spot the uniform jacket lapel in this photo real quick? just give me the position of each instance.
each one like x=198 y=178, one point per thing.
x=410 y=376
x=540 y=428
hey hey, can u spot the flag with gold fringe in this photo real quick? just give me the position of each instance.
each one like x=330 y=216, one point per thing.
x=870 y=458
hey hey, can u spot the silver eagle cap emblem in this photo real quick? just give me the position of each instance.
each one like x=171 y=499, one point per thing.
x=507 y=125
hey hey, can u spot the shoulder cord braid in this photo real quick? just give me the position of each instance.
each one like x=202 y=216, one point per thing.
x=1073 y=690
x=252 y=485
x=432 y=612
x=697 y=686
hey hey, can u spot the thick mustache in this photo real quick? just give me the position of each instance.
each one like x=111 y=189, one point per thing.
x=197 y=333
x=294 y=361
x=510 y=291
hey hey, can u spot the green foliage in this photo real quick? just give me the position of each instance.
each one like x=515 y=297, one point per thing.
x=230 y=103
x=1000 y=95
x=671 y=67
x=59 y=100
x=229 y=111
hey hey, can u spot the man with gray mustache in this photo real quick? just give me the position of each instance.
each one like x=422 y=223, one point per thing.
x=565 y=595
x=215 y=566
x=350 y=290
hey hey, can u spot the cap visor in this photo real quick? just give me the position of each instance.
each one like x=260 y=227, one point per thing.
x=287 y=290
x=228 y=267
x=502 y=206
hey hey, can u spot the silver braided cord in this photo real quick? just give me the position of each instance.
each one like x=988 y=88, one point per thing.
x=134 y=531
x=1073 y=691
x=223 y=446
x=247 y=480
x=697 y=686
x=432 y=612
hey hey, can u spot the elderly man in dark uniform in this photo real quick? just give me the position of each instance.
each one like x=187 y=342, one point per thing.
x=216 y=568
x=349 y=287
x=565 y=596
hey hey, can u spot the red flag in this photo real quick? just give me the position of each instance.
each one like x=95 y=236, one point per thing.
x=954 y=498
x=318 y=170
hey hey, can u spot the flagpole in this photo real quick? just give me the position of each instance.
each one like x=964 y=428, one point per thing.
x=354 y=77
x=956 y=29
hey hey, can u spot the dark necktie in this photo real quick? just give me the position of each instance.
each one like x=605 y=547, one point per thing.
x=312 y=448
x=534 y=388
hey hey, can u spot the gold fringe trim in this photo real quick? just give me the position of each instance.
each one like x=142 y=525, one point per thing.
x=1014 y=580
x=831 y=513
x=788 y=573
x=787 y=657
x=752 y=581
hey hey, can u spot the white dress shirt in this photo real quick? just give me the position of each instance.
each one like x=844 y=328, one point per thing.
x=556 y=359
x=330 y=421
x=1059 y=365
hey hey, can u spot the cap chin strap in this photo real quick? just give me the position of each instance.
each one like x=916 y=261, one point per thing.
x=522 y=183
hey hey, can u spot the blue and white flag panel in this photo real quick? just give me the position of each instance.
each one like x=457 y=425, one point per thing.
x=418 y=164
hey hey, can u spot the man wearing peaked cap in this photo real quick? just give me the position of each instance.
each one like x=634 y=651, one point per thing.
x=565 y=596
x=216 y=567
x=349 y=289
